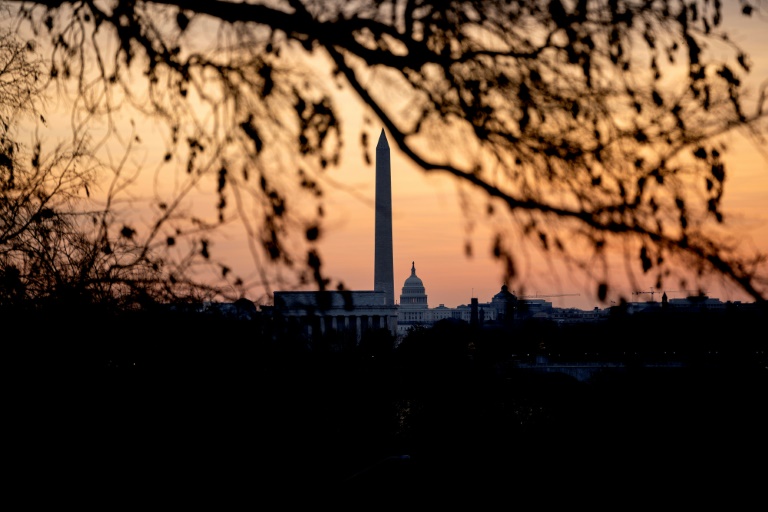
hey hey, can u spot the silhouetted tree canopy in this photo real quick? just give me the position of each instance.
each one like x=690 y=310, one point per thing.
x=589 y=126
x=60 y=249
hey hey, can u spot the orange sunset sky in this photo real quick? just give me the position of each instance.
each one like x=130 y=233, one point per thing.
x=429 y=228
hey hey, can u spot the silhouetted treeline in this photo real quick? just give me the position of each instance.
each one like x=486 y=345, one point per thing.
x=195 y=398
x=696 y=335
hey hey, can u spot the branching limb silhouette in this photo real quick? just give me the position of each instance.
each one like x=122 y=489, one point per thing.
x=589 y=127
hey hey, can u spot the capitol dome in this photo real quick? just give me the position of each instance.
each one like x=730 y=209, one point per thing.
x=414 y=295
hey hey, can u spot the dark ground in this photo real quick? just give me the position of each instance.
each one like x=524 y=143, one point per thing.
x=680 y=435
x=217 y=424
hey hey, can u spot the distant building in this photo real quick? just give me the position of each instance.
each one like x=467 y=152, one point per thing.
x=241 y=309
x=690 y=304
x=695 y=304
x=413 y=303
x=353 y=311
x=415 y=310
x=505 y=304
x=564 y=316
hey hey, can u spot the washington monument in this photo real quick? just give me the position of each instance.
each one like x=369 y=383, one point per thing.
x=383 y=271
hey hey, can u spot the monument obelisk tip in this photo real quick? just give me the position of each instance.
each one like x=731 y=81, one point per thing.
x=383 y=143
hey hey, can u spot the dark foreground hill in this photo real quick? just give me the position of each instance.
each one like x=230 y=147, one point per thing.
x=178 y=410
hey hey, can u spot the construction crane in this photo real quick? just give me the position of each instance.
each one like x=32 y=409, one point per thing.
x=547 y=296
x=689 y=292
x=651 y=292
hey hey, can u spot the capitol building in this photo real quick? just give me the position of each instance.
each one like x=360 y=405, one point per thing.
x=414 y=307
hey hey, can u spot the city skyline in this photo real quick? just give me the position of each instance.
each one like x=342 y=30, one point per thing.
x=428 y=229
